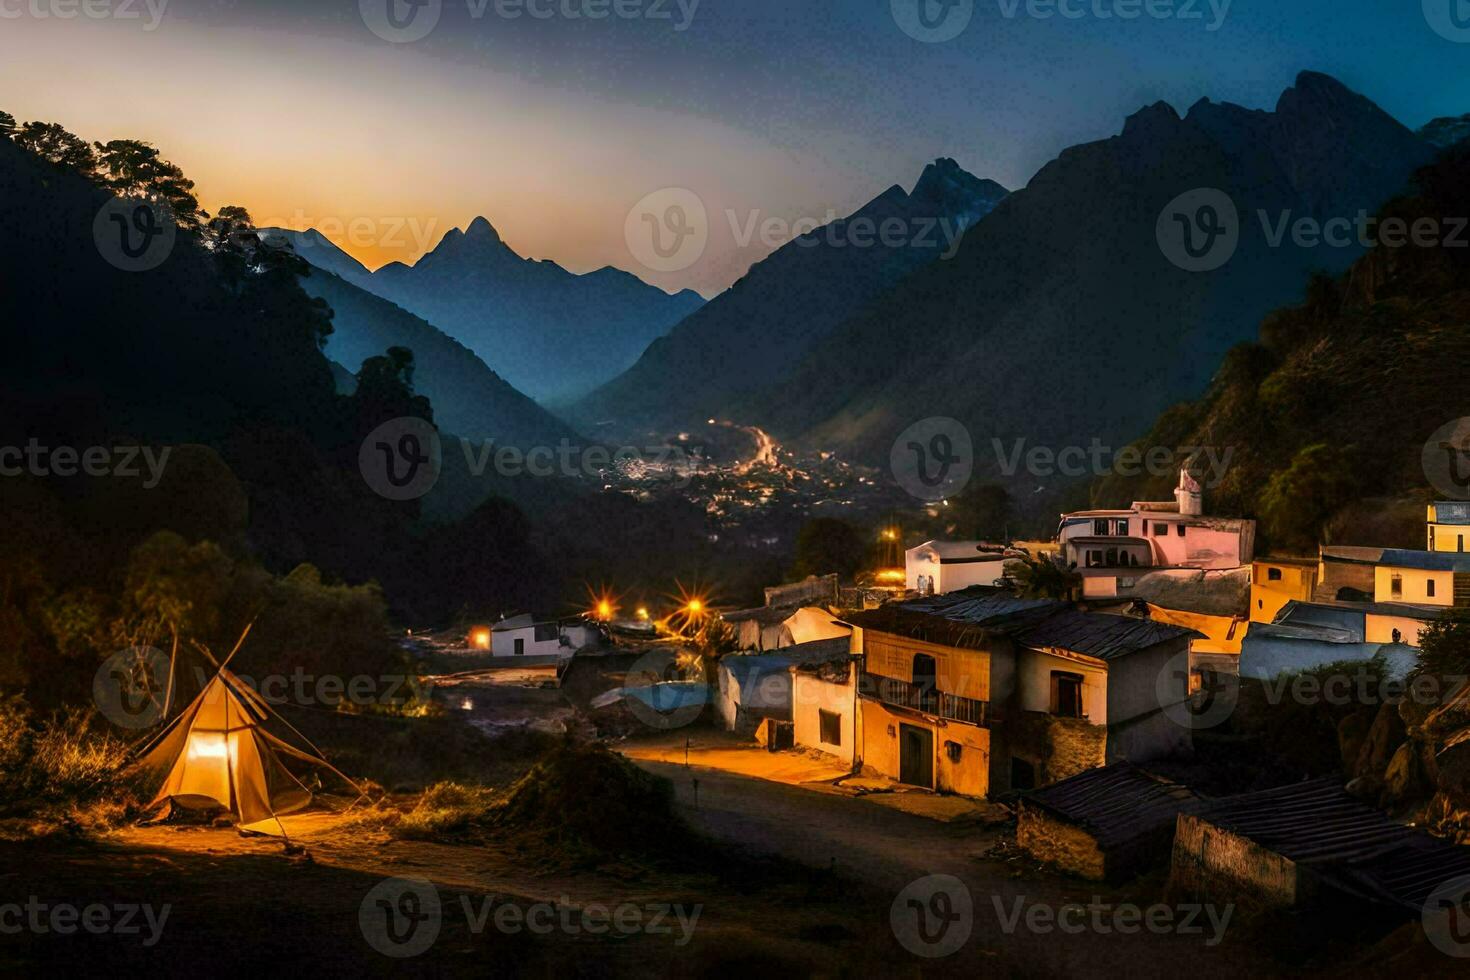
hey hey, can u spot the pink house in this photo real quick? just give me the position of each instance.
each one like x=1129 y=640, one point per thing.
x=1112 y=549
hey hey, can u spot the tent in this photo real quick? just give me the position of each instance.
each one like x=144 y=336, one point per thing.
x=217 y=753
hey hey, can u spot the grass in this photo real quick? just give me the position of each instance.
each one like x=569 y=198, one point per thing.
x=60 y=775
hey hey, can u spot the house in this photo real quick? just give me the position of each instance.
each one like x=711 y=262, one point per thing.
x=938 y=567
x=1104 y=824
x=1425 y=577
x=775 y=628
x=1216 y=650
x=1277 y=581
x=1308 y=635
x=754 y=688
x=531 y=636
x=1113 y=549
x=1448 y=526
x=1301 y=845
x=824 y=705
x=978 y=692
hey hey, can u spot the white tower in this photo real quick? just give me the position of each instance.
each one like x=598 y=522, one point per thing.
x=1189 y=494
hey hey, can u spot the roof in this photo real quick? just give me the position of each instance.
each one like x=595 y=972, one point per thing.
x=1116 y=803
x=1102 y=635
x=956 y=552
x=1433 y=561
x=1211 y=592
x=969 y=617
x=1318 y=824
x=1287 y=560
x=1351 y=553
x=749 y=668
x=1451 y=511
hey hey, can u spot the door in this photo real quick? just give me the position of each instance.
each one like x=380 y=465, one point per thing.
x=916 y=756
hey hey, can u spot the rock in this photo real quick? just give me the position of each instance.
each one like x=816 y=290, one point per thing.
x=1352 y=732
x=1403 y=781
x=1384 y=738
x=1452 y=769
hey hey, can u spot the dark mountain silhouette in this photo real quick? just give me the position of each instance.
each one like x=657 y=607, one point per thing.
x=550 y=333
x=1446 y=130
x=469 y=399
x=1061 y=319
x=787 y=303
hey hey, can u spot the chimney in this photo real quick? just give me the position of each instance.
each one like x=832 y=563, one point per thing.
x=1189 y=494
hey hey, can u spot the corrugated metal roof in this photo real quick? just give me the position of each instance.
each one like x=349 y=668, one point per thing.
x=1116 y=803
x=1432 y=561
x=1452 y=511
x=1346 y=841
x=1102 y=635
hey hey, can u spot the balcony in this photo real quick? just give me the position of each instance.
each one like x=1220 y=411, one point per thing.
x=922 y=697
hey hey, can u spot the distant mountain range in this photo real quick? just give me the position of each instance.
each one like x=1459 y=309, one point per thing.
x=1060 y=319
x=756 y=332
x=550 y=333
x=1446 y=130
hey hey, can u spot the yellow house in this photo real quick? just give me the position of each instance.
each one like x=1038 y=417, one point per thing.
x=1449 y=526
x=1424 y=578
x=1277 y=581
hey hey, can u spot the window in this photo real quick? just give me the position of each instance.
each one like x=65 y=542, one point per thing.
x=520 y=646
x=1094 y=559
x=1100 y=526
x=1462 y=542
x=1179 y=530
x=1160 y=529
x=1112 y=558
x=1396 y=584
x=1429 y=588
x=1273 y=575
x=830 y=723
x=1066 y=694
x=1123 y=528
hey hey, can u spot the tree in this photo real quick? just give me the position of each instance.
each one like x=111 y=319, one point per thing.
x=1043 y=577
x=133 y=168
x=985 y=512
x=1444 y=646
x=825 y=545
x=1298 y=501
x=53 y=143
x=7 y=126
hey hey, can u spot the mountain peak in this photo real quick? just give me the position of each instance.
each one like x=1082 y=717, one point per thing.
x=1151 y=119
x=481 y=230
x=955 y=191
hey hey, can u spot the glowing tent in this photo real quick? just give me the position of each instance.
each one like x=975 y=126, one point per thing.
x=217 y=754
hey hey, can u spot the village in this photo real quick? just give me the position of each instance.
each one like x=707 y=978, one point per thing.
x=1104 y=733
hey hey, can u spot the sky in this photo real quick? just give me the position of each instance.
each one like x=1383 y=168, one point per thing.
x=555 y=124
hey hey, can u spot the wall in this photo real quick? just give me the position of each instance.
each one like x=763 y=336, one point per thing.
x=1447 y=537
x=502 y=644
x=960 y=671
x=1415 y=586
x=1210 y=861
x=1139 y=730
x=954 y=577
x=1033 y=683
x=1379 y=629
x=1267 y=597
x=810 y=696
x=970 y=776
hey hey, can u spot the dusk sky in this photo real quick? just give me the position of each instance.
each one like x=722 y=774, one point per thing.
x=554 y=128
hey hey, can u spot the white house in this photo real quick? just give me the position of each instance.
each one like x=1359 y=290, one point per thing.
x=530 y=636
x=1113 y=549
x=937 y=567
